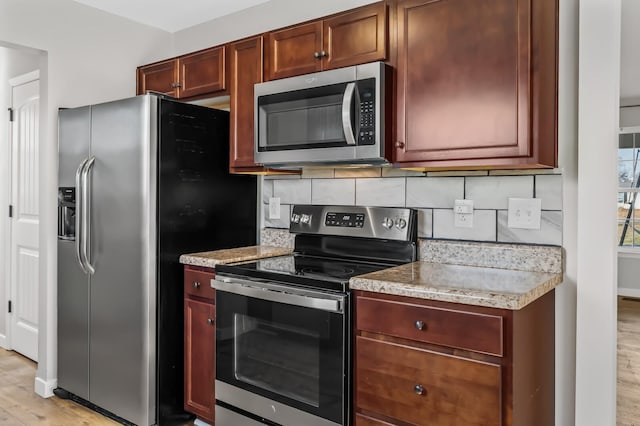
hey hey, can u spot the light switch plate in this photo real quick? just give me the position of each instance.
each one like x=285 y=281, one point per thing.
x=274 y=208
x=524 y=213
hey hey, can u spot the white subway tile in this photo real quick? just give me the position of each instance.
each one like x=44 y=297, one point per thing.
x=333 y=191
x=484 y=226
x=434 y=192
x=425 y=223
x=267 y=190
x=293 y=191
x=317 y=173
x=356 y=172
x=383 y=192
x=550 y=231
x=441 y=173
x=493 y=192
x=393 y=172
x=549 y=189
x=285 y=217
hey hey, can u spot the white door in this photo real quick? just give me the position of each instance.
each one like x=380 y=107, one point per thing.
x=24 y=252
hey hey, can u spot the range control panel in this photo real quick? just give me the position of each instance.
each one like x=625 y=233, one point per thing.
x=350 y=220
x=355 y=221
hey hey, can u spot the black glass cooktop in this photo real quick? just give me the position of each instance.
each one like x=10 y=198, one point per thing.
x=307 y=271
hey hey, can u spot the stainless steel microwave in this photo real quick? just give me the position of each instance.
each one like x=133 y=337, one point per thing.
x=329 y=117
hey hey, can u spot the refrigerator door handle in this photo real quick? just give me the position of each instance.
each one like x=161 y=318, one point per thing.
x=86 y=215
x=79 y=213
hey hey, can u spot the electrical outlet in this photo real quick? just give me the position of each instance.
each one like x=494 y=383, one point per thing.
x=274 y=208
x=463 y=213
x=524 y=213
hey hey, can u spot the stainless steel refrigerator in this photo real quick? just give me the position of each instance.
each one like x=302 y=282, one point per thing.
x=141 y=181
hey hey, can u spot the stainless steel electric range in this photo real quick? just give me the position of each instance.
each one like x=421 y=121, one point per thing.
x=284 y=331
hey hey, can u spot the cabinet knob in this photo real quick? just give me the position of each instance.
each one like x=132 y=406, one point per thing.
x=323 y=54
x=175 y=85
x=196 y=284
x=418 y=389
x=316 y=55
x=419 y=325
x=210 y=321
x=399 y=144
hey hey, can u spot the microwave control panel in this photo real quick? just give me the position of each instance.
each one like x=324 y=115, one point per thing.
x=367 y=113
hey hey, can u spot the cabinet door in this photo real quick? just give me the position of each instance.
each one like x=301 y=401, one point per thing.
x=411 y=385
x=199 y=359
x=245 y=60
x=294 y=51
x=464 y=79
x=356 y=37
x=161 y=77
x=202 y=72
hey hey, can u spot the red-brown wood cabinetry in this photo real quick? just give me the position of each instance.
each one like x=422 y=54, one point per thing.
x=452 y=364
x=199 y=343
x=476 y=83
x=354 y=37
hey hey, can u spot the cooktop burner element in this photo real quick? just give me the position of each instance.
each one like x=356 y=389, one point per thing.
x=335 y=243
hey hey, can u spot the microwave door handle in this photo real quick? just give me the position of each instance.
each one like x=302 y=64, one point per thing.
x=347 y=100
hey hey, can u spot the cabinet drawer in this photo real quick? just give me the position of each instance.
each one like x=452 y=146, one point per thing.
x=457 y=329
x=362 y=420
x=198 y=283
x=412 y=385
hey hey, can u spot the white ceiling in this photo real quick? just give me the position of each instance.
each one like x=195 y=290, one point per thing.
x=171 y=15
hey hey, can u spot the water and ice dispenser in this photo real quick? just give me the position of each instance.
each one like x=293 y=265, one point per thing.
x=66 y=213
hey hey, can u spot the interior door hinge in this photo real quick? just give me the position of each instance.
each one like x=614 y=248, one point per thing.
x=10 y=114
x=10 y=210
x=9 y=306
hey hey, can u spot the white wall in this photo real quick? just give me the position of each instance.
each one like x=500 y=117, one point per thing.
x=258 y=19
x=12 y=63
x=598 y=115
x=92 y=57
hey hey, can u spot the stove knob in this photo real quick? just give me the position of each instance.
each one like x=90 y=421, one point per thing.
x=295 y=218
x=387 y=223
x=401 y=223
x=305 y=218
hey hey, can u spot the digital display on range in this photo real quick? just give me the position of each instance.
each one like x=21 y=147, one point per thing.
x=345 y=220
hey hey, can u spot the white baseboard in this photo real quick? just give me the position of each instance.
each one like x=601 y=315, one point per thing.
x=629 y=292
x=3 y=342
x=45 y=388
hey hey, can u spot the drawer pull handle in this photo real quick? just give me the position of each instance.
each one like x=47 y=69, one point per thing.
x=419 y=325
x=196 y=284
x=210 y=321
x=419 y=390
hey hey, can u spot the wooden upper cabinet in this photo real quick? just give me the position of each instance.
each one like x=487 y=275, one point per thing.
x=159 y=77
x=476 y=83
x=294 y=51
x=202 y=72
x=245 y=69
x=188 y=76
x=350 y=38
x=356 y=37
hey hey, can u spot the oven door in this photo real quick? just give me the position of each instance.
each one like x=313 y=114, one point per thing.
x=281 y=352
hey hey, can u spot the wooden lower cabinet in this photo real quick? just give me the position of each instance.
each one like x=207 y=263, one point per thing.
x=497 y=370
x=199 y=343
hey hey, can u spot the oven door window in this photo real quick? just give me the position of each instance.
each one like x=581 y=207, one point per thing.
x=290 y=354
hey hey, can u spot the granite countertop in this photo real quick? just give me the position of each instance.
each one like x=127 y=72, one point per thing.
x=471 y=285
x=241 y=254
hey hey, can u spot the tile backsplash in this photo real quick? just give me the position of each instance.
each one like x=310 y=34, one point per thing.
x=433 y=194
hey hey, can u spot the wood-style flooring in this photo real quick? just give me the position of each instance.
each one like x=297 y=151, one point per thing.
x=20 y=406
x=628 y=398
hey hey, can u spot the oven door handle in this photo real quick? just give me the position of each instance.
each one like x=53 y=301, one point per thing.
x=289 y=296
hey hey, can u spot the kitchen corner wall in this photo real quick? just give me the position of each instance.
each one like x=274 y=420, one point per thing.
x=433 y=194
